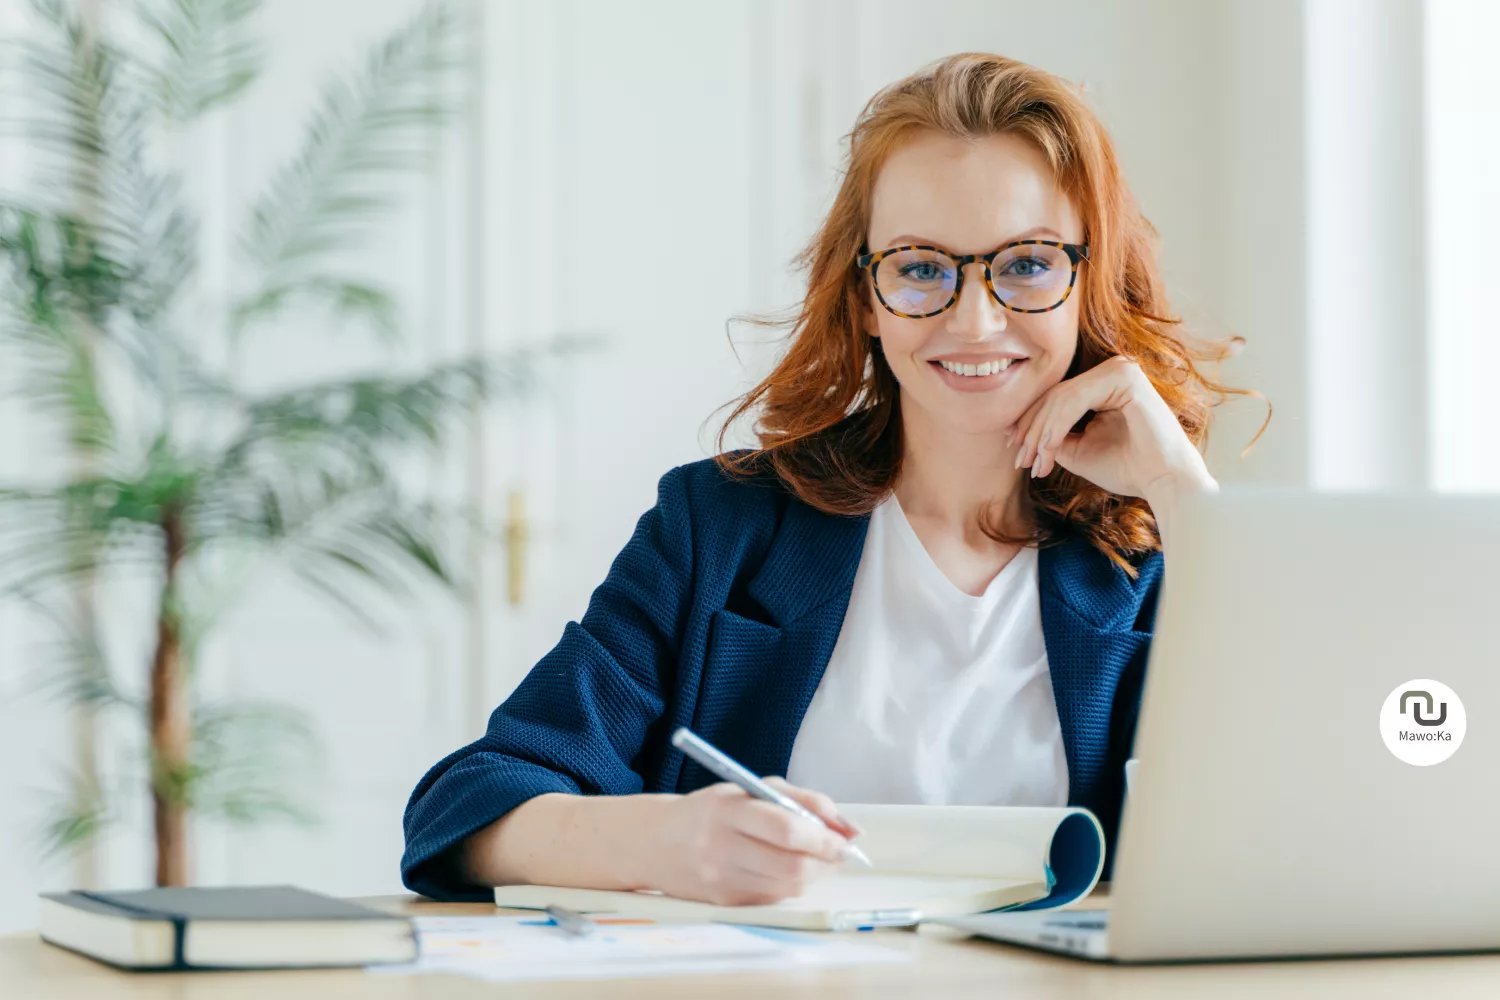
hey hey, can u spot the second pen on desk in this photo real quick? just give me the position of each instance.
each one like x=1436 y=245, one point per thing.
x=570 y=921
x=726 y=767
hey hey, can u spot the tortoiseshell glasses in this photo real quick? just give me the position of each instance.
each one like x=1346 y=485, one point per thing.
x=1027 y=276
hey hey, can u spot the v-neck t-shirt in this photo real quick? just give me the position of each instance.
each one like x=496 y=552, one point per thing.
x=933 y=695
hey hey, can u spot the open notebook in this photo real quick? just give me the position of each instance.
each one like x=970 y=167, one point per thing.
x=930 y=861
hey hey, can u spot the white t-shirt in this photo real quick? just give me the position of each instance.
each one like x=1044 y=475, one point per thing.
x=932 y=695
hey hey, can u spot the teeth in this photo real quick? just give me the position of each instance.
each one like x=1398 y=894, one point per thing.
x=979 y=370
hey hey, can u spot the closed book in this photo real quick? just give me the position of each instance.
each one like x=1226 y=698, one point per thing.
x=242 y=927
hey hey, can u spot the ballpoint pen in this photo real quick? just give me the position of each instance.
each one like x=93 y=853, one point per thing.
x=727 y=768
x=570 y=921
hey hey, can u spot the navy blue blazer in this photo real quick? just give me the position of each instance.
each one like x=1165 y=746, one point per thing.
x=721 y=614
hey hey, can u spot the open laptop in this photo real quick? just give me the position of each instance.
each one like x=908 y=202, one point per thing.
x=1270 y=816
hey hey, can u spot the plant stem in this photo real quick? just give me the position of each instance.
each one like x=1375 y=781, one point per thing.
x=169 y=718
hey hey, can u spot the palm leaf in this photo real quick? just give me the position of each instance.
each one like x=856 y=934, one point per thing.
x=51 y=537
x=341 y=296
x=243 y=758
x=58 y=266
x=309 y=480
x=381 y=411
x=206 y=57
x=88 y=119
x=47 y=537
x=364 y=133
x=59 y=286
x=75 y=817
x=121 y=240
x=351 y=429
x=70 y=79
x=59 y=375
x=79 y=668
x=352 y=537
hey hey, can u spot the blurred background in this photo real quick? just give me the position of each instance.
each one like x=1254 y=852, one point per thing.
x=1324 y=175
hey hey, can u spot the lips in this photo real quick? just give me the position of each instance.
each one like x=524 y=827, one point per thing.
x=972 y=370
x=997 y=372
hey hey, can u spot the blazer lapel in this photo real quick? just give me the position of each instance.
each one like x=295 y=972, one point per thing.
x=1089 y=606
x=759 y=676
x=812 y=559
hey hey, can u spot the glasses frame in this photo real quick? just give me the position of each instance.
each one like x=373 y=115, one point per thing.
x=1077 y=252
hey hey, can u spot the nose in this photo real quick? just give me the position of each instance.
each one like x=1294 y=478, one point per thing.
x=976 y=316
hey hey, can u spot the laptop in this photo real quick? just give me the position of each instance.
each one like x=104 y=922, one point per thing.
x=1308 y=784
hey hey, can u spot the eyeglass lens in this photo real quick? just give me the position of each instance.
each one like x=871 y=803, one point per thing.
x=1029 y=276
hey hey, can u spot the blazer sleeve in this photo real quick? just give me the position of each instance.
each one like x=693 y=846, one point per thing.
x=578 y=720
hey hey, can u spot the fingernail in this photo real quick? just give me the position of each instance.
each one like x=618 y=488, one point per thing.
x=848 y=824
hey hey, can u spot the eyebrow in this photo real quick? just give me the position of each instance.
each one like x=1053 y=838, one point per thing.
x=1036 y=231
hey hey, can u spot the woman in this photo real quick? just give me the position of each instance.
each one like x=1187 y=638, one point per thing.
x=933 y=582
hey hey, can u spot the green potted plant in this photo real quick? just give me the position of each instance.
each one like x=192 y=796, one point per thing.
x=175 y=471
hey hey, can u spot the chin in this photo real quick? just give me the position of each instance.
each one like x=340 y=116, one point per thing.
x=970 y=414
x=973 y=421
x=986 y=428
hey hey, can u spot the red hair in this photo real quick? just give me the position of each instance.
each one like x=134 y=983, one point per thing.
x=829 y=413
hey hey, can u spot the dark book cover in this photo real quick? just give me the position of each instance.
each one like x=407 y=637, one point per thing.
x=184 y=907
x=256 y=902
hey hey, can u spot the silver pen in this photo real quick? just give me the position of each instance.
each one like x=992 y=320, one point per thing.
x=731 y=770
x=570 y=921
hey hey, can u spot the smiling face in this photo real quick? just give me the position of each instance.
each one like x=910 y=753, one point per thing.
x=976 y=367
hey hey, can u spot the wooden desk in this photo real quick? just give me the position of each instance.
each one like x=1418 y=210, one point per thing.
x=942 y=967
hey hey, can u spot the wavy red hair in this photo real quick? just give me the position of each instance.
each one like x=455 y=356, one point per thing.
x=829 y=418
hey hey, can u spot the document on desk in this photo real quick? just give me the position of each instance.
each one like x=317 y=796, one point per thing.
x=511 y=949
x=930 y=861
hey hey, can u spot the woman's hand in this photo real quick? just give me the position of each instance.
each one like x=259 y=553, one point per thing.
x=717 y=845
x=721 y=846
x=1133 y=446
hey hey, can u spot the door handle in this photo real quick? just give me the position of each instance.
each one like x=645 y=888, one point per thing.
x=517 y=534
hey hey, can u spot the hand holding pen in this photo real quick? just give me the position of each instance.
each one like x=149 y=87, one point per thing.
x=772 y=790
x=720 y=845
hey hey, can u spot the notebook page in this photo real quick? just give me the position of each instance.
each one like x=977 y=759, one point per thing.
x=1001 y=841
x=921 y=854
x=839 y=893
x=876 y=891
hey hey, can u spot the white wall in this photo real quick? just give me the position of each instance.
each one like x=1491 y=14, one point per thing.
x=1365 y=244
x=1261 y=207
x=1460 y=254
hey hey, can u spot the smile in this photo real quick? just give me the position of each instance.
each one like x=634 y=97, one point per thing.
x=977 y=371
x=986 y=375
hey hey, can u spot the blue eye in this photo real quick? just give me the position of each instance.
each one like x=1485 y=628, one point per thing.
x=1026 y=267
x=922 y=271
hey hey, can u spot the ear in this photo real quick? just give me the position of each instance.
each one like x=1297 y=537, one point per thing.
x=867 y=308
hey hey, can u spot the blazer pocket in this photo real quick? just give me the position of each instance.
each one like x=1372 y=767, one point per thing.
x=741 y=655
x=737 y=693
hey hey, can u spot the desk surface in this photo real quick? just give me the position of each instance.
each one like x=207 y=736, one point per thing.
x=943 y=966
